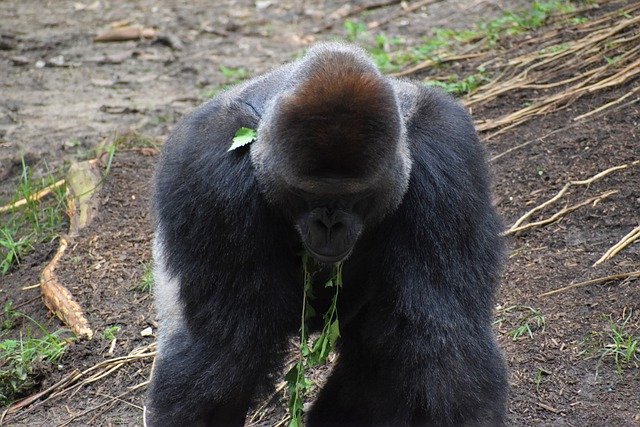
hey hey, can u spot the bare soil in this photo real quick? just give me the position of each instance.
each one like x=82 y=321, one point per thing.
x=57 y=114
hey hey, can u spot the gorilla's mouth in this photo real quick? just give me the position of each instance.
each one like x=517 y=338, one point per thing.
x=328 y=259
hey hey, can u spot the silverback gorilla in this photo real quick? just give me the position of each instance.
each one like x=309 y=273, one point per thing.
x=386 y=175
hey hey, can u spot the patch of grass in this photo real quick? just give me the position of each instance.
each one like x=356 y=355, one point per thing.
x=540 y=375
x=146 y=283
x=513 y=23
x=532 y=320
x=34 y=222
x=354 y=30
x=11 y=250
x=381 y=53
x=234 y=74
x=526 y=320
x=623 y=346
x=460 y=87
x=22 y=358
x=110 y=332
x=9 y=316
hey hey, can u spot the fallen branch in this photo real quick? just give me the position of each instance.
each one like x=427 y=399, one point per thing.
x=608 y=104
x=16 y=406
x=83 y=182
x=623 y=243
x=630 y=275
x=77 y=379
x=121 y=34
x=560 y=214
x=37 y=196
x=431 y=62
x=59 y=300
x=94 y=408
x=563 y=190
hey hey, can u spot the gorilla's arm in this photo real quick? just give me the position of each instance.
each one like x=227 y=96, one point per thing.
x=225 y=288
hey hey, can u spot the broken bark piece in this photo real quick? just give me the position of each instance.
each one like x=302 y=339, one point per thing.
x=83 y=181
x=122 y=34
x=59 y=300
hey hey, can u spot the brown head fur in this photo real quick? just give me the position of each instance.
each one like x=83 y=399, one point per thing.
x=341 y=117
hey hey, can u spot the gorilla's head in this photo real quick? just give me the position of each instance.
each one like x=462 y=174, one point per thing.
x=331 y=153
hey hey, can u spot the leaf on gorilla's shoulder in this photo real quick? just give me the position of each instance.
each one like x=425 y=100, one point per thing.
x=243 y=137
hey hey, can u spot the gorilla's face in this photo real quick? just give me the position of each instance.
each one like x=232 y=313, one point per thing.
x=329 y=225
x=328 y=233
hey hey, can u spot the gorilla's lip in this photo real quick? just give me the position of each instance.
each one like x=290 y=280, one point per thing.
x=328 y=259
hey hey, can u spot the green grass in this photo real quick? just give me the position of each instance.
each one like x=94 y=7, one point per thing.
x=146 y=283
x=456 y=86
x=110 y=332
x=623 y=346
x=525 y=320
x=514 y=23
x=354 y=30
x=35 y=222
x=9 y=316
x=22 y=358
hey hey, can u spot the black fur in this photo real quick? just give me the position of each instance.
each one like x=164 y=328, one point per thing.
x=416 y=306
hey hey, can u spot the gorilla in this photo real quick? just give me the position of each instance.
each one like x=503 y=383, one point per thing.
x=385 y=175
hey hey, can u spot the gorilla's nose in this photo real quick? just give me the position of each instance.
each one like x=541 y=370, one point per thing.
x=328 y=221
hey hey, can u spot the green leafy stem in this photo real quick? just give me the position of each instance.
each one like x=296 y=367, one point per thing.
x=316 y=354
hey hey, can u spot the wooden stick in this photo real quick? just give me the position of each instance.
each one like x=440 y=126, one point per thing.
x=39 y=195
x=563 y=190
x=632 y=274
x=560 y=214
x=58 y=298
x=29 y=400
x=608 y=104
x=623 y=243
x=429 y=62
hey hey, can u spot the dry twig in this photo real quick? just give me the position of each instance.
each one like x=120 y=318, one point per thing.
x=560 y=214
x=630 y=275
x=623 y=243
x=517 y=227
x=75 y=380
x=37 y=196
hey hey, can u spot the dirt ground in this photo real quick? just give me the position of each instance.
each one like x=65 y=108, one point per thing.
x=57 y=114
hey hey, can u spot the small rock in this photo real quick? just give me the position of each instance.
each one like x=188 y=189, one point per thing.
x=56 y=61
x=40 y=63
x=20 y=60
x=263 y=4
x=147 y=332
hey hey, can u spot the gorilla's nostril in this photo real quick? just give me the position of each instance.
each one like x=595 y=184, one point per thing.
x=320 y=224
